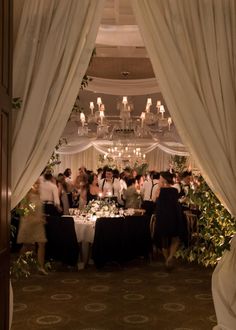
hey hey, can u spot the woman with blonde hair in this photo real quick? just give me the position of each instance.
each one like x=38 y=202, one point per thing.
x=32 y=222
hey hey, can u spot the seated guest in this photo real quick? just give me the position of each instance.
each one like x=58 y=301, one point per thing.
x=131 y=196
x=49 y=195
x=93 y=188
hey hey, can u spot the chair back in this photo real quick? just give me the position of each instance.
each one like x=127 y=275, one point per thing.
x=62 y=242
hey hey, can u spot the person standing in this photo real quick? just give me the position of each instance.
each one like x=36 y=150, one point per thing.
x=149 y=192
x=110 y=186
x=31 y=229
x=49 y=196
x=169 y=226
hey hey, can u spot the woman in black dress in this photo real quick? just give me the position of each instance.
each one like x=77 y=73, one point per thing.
x=169 y=224
x=93 y=189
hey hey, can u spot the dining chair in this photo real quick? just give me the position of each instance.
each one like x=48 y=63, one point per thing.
x=192 y=227
x=62 y=242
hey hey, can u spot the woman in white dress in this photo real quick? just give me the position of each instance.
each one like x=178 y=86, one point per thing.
x=31 y=229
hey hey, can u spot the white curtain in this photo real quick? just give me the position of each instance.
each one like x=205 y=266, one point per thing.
x=53 y=47
x=88 y=158
x=124 y=87
x=157 y=160
x=192 y=46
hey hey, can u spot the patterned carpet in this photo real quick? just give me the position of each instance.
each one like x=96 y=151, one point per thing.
x=137 y=296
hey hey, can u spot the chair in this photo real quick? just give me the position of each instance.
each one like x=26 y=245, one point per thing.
x=192 y=227
x=108 y=241
x=154 y=251
x=137 y=238
x=62 y=242
x=152 y=225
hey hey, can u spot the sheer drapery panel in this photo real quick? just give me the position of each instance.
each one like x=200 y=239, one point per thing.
x=192 y=46
x=156 y=159
x=53 y=47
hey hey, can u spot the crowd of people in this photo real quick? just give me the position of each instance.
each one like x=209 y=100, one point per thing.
x=158 y=193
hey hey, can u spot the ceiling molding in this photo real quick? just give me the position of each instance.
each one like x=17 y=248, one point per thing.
x=124 y=87
x=119 y=35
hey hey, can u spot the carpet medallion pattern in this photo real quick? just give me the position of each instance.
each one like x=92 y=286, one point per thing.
x=137 y=296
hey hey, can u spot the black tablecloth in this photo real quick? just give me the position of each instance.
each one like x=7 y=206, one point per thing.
x=121 y=239
x=62 y=242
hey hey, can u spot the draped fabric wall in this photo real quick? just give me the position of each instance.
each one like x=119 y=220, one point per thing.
x=192 y=46
x=88 y=158
x=51 y=54
x=156 y=159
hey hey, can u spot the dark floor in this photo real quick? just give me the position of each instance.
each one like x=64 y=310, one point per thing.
x=138 y=296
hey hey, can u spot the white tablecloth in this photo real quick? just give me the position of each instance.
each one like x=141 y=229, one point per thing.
x=84 y=230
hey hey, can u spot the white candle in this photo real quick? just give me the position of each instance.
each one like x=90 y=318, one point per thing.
x=100 y=195
x=91 y=105
x=102 y=116
x=82 y=118
x=158 y=106
x=142 y=118
x=162 y=110
x=99 y=101
x=149 y=102
x=169 y=122
x=124 y=100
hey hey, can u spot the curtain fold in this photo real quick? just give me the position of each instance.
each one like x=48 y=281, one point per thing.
x=80 y=145
x=53 y=47
x=192 y=47
x=157 y=160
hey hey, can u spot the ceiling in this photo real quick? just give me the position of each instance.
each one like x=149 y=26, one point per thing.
x=128 y=55
x=120 y=55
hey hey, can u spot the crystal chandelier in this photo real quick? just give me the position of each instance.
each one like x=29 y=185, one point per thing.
x=157 y=120
x=124 y=154
x=127 y=126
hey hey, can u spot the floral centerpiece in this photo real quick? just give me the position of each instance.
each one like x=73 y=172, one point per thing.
x=102 y=208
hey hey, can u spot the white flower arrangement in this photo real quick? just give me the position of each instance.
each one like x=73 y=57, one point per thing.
x=102 y=208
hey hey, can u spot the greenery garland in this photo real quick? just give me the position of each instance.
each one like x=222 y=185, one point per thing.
x=215 y=225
